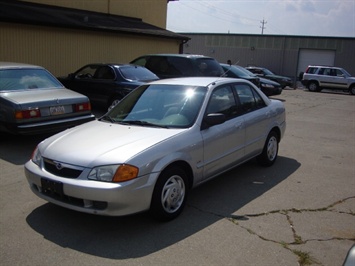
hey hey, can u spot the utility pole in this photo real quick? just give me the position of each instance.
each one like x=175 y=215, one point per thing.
x=262 y=26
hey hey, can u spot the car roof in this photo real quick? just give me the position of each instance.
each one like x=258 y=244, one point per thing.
x=196 y=81
x=14 y=65
x=255 y=67
x=112 y=64
x=178 y=55
x=324 y=66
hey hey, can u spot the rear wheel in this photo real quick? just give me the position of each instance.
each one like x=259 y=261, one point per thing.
x=352 y=90
x=313 y=86
x=169 y=194
x=270 y=151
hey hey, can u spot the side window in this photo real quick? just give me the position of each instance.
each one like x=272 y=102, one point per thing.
x=311 y=70
x=327 y=72
x=104 y=72
x=222 y=101
x=321 y=71
x=86 y=72
x=338 y=72
x=249 y=99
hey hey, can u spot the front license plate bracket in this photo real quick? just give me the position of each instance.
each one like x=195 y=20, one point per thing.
x=52 y=188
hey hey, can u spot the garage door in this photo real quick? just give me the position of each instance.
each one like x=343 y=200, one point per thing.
x=315 y=57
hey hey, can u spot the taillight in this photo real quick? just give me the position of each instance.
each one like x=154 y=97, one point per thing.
x=80 y=107
x=27 y=114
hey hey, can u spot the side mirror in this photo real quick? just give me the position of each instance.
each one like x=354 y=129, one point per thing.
x=213 y=119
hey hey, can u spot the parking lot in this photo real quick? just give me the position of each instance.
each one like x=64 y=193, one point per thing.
x=301 y=211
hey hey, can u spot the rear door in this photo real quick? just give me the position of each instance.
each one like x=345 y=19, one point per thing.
x=256 y=118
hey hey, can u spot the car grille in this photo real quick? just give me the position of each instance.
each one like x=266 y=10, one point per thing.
x=61 y=170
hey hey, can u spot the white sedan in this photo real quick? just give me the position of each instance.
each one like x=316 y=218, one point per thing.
x=160 y=141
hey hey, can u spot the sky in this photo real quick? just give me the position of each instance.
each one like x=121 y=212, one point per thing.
x=335 y=18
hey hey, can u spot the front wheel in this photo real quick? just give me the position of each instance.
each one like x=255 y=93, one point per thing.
x=169 y=194
x=270 y=151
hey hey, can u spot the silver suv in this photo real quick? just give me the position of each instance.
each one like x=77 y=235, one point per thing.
x=317 y=78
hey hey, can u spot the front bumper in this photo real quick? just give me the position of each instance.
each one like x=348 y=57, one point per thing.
x=94 y=197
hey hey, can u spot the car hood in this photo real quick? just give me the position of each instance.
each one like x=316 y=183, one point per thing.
x=101 y=143
x=268 y=81
x=41 y=96
x=277 y=77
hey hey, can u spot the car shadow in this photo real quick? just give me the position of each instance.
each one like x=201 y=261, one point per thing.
x=139 y=235
x=17 y=149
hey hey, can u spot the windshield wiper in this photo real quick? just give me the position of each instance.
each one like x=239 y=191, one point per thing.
x=142 y=123
x=107 y=118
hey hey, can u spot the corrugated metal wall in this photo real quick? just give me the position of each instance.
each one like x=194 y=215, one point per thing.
x=278 y=53
x=63 y=50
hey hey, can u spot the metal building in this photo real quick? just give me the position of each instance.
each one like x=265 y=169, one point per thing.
x=284 y=55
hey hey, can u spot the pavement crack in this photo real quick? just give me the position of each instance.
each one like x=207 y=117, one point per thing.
x=304 y=258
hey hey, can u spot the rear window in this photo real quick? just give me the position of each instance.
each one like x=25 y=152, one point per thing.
x=175 y=66
x=23 y=79
x=209 y=67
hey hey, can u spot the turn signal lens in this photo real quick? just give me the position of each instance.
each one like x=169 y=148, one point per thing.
x=125 y=172
x=80 y=107
x=27 y=114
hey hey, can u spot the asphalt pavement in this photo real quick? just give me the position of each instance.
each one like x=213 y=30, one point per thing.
x=300 y=211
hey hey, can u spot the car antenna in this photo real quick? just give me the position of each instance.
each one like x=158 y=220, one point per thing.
x=225 y=72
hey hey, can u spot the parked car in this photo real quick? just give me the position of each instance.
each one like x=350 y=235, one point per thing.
x=161 y=140
x=266 y=73
x=33 y=101
x=317 y=78
x=107 y=84
x=180 y=65
x=268 y=87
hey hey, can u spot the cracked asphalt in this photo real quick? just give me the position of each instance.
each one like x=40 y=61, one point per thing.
x=300 y=211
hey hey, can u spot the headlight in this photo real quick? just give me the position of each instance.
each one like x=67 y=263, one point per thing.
x=36 y=156
x=113 y=173
x=266 y=85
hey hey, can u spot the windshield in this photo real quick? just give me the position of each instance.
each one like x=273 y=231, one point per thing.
x=240 y=72
x=268 y=72
x=24 y=79
x=169 y=106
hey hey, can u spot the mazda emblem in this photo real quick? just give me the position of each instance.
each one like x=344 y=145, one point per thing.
x=59 y=166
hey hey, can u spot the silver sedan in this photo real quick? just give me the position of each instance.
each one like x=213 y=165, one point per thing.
x=160 y=141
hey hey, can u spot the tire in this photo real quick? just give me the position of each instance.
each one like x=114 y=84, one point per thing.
x=270 y=151
x=169 y=194
x=313 y=86
x=352 y=90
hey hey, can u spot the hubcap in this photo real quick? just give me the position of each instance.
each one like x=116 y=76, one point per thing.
x=312 y=87
x=173 y=194
x=272 y=149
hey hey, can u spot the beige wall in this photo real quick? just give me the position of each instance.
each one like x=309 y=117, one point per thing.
x=150 y=11
x=62 y=51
